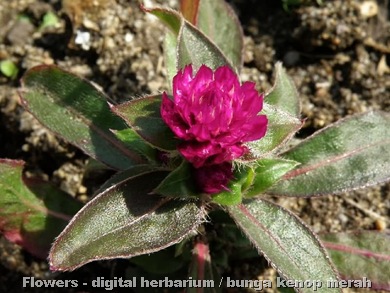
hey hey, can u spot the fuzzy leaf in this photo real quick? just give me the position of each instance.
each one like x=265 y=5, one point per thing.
x=286 y=242
x=192 y=46
x=242 y=178
x=124 y=221
x=143 y=115
x=268 y=172
x=173 y=21
x=232 y=196
x=196 y=49
x=75 y=110
x=349 y=154
x=135 y=143
x=282 y=107
x=170 y=45
x=360 y=255
x=284 y=95
x=217 y=20
x=32 y=212
x=169 y=17
x=179 y=183
x=281 y=127
x=125 y=175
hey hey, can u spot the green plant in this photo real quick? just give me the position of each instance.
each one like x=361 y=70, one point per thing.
x=8 y=68
x=50 y=19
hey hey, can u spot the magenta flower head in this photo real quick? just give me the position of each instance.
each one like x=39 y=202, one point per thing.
x=214 y=178
x=213 y=115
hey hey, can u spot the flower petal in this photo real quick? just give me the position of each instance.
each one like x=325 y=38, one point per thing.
x=198 y=153
x=172 y=118
x=256 y=129
x=182 y=84
x=230 y=153
x=252 y=102
x=226 y=79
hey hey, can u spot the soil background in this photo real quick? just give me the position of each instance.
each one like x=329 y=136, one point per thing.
x=337 y=52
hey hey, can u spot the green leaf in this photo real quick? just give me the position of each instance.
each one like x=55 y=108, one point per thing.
x=32 y=212
x=285 y=241
x=125 y=221
x=268 y=172
x=364 y=254
x=143 y=115
x=170 y=45
x=231 y=197
x=284 y=95
x=281 y=128
x=179 y=183
x=173 y=21
x=186 y=44
x=171 y=18
x=242 y=178
x=135 y=143
x=75 y=110
x=217 y=20
x=8 y=68
x=125 y=175
x=50 y=19
x=282 y=107
x=349 y=154
x=196 y=49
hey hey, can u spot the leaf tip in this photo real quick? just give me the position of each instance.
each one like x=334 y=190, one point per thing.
x=54 y=264
x=53 y=268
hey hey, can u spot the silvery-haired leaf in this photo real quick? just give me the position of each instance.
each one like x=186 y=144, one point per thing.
x=352 y=153
x=286 y=242
x=124 y=221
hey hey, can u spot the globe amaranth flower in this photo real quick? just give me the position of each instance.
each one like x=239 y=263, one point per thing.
x=213 y=178
x=213 y=115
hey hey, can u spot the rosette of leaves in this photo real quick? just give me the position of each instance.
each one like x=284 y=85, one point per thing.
x=152 y=203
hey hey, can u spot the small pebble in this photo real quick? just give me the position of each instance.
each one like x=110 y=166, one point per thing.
x=83 y=39
x=368 y=9
x=82 y=189
x=380 y=224
x=20 y=33
x=129 y=37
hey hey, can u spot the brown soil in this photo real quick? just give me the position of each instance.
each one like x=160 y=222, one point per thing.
x=336 y=53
